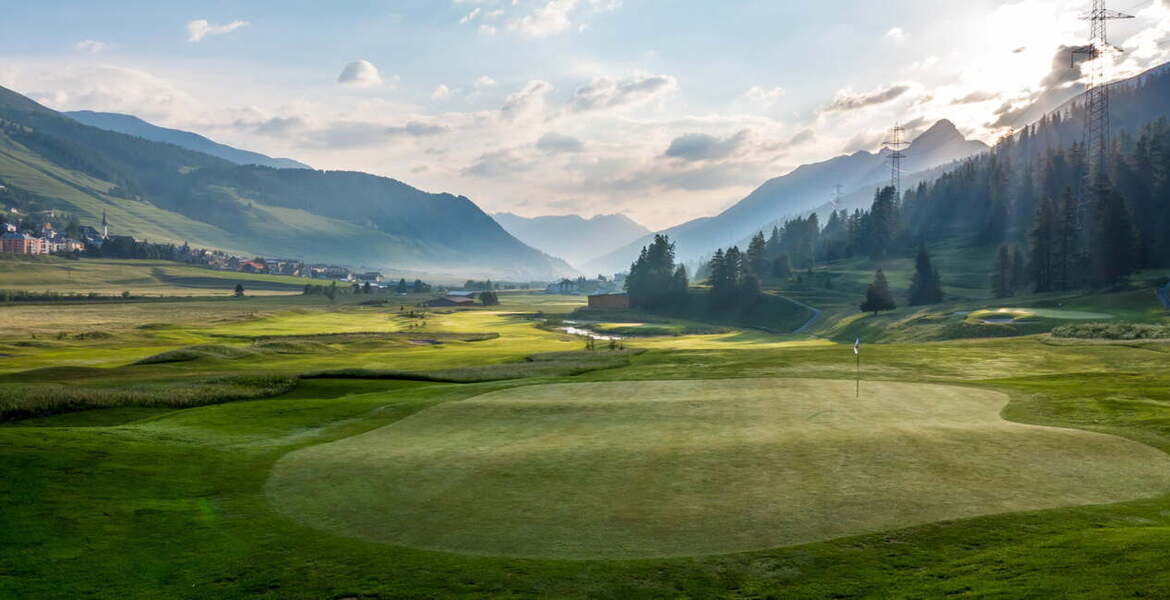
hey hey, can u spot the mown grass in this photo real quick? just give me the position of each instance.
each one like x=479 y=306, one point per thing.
x=170 y=503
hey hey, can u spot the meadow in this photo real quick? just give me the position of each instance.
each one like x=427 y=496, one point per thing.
x=284 y=446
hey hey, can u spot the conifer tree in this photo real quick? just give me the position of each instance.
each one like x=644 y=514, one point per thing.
x=925 y=287
x=756 y=256
x=1001 y=275
x=782 y=267
x=878 y=296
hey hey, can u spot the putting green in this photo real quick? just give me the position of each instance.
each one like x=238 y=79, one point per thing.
x=669 y=468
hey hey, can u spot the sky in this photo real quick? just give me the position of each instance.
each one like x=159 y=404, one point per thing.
x=664 y=110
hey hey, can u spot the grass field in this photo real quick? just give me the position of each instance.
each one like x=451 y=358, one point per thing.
x=138 y=277
x=683 y=468
x=723 y=465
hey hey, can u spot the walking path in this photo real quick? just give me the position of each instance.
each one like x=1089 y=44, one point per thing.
x=811 y=320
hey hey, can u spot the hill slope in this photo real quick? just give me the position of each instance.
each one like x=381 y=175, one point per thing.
x=804 y=189
x=163 y=192
x=572 y=237
x=131 y=125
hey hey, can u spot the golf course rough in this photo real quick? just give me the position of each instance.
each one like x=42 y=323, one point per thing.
x=678 y=468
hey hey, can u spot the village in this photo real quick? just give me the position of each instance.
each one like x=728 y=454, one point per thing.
x=38 y=234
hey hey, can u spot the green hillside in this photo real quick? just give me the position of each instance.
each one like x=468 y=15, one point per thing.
x=165 y=193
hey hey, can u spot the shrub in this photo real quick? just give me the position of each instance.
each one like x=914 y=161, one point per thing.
x=1113 y=331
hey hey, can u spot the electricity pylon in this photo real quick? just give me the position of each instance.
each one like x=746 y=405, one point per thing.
x=1096 y=133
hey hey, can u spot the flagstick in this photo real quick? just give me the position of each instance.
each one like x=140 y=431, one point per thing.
x=859 y=374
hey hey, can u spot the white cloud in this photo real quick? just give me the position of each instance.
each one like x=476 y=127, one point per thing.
x=896 y=34
x=526 y=103
x=554 y=143
x=482 y=83
x=604 y=92
x=91 y=46
x=469 y=17
x=700 y=146
x=360 y=73
x=847 y=100
x=486 y=30
x=545 y=20
x=442 y=92
x=200 y=28
x=763 y=96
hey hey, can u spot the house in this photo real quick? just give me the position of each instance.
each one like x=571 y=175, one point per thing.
x=251 y=266
x=451 y=301
x=371 y=276
x=609 y=301
x=22 y=243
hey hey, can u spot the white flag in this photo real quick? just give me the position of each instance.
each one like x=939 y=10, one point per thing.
x=857 y=346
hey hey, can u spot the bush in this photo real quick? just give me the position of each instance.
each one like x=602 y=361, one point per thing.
x=1113 y=331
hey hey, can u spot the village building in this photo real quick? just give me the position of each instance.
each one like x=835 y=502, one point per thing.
x=609 y=301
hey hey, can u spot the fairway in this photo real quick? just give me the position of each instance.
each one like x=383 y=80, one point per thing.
x=677 y=468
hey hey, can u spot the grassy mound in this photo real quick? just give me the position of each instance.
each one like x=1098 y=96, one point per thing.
x=683 y=468
x=196 y=353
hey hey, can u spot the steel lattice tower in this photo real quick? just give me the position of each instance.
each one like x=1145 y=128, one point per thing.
x=1096 y=133
x=896 y=145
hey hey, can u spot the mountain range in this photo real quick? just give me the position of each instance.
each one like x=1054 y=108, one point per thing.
x=131 y=125
x=164 y=192
x=571 y=237
x=803 y=189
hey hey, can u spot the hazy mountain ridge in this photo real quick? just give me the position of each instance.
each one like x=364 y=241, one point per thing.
x=572 y=237
x=803 y=189
x=163 y=192
x=132 y=125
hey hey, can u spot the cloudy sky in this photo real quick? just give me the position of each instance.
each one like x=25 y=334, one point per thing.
x=664 y=110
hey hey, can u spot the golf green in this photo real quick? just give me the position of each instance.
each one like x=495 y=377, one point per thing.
x=675 y=468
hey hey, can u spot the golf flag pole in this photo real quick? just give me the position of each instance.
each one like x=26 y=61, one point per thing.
x=857 y=353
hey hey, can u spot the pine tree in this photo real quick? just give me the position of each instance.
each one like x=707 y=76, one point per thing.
x=756 y=256
x=883 y=223
x=925 y=287
x=782 y=267
x=1115 y=252
x=239 y=292
x=878 y=296
x=1019 y=280
x=1001 y=276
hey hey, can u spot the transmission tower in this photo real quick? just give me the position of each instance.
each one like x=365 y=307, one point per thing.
x=896 y=145
x=836 y=197
x=1096 y=134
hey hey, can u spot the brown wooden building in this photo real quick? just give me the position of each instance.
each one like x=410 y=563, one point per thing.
x=609 y=301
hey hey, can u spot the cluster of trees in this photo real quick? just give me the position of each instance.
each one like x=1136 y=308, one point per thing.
x=925 y=286
x=418 y=287
x=474 y=285
x=733 y=279
x=655 y=281
x=1010 y=275
x=489 y=298
x=802 y=243
x=1083 y=224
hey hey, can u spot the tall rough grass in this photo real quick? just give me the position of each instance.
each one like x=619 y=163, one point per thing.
x=23 y=400
x=1113 y=331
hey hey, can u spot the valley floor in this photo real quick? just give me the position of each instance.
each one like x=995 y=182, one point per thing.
x=382 y=451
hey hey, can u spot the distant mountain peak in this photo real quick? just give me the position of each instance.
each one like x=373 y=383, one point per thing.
x=941 y=132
